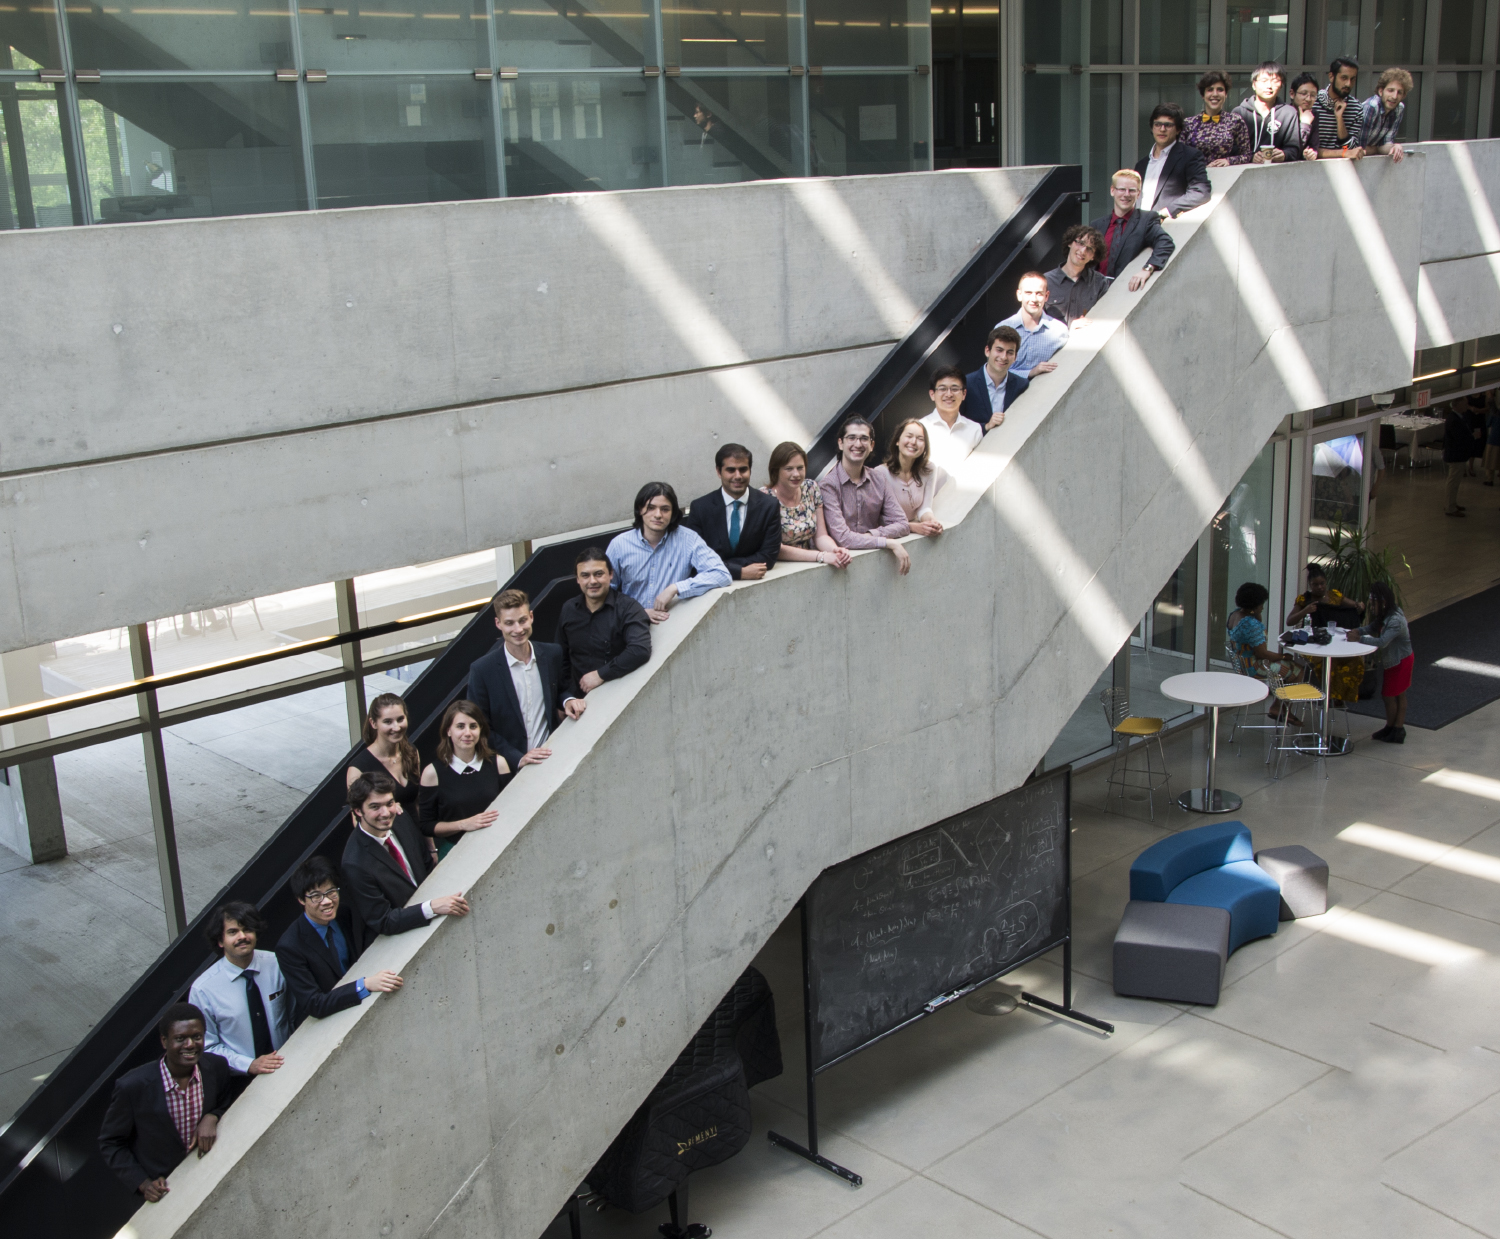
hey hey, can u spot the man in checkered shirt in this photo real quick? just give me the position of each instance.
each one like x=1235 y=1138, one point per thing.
x=163 y=1110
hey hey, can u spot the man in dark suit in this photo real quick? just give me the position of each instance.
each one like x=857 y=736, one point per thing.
x=1174 y=175
x=518 y=684
x=315 y=951
x=1127 y=231
x=164 y=1109
x=993 y=387
x=385 y=861
x=742 y=525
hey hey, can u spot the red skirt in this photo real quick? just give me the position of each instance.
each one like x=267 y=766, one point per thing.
x=1397 y=679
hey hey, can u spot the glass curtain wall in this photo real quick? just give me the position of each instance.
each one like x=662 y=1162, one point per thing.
x=179 y=110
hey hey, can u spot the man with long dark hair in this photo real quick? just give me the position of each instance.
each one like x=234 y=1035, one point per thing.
x=659 y=562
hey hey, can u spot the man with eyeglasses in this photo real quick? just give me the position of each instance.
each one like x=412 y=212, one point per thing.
x=315 y=952
x=859 y=506
x=950 y=436
x=1174 y=175
x=1127 y=231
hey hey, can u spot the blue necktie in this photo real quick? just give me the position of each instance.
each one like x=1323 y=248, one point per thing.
x=734 y=526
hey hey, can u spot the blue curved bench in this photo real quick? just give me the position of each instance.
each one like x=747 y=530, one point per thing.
x=1211 y=866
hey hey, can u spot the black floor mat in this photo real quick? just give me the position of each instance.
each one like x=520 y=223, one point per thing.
x=1457 y=663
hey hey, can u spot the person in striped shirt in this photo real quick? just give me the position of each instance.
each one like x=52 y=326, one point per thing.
x=1338 y=121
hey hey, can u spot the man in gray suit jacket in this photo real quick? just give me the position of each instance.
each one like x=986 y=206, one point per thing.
x=1127 y=231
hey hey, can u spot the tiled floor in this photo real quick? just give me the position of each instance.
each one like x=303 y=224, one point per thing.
x=1347 y=1083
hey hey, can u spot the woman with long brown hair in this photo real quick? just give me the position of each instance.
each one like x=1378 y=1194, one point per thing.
x=804 y=533
x=387 y=750
x=914 y=479
x=459 y=787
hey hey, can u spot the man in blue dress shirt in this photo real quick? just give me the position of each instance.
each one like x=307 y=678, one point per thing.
x=993 y=387
x=315 y=951
x=659 y=561
x=243 y=996
x=1041 y=334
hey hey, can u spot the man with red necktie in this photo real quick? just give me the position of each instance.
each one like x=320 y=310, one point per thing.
x=1127 y=231
x=384 y=862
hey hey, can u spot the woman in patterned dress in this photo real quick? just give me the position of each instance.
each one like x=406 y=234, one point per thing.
x=1222 y=136
x=804 y=535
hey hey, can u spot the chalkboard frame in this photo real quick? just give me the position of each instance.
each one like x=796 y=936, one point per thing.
x=810 y=1014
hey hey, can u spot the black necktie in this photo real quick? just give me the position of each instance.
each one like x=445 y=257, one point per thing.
x=260 y=1026
x=469 y=770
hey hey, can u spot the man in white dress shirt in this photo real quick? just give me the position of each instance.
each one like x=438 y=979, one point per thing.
x=243 y=996
x=518 y=684
x=950 y=436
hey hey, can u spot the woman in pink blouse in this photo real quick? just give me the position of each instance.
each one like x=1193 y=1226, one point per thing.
x=1222 y=136
x=915 y=480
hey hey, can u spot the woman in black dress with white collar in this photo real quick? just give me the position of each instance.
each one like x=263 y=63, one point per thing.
x=459 y=787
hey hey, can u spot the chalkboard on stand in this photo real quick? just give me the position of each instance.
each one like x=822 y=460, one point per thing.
x=896 y=933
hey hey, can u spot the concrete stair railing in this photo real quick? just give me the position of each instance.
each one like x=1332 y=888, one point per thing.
x=783 y=726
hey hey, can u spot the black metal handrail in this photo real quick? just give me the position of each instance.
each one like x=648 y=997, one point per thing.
x=52 y=1179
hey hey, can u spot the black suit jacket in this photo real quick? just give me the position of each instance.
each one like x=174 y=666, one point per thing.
x=494 y=692
x=311 y=969
x=375 y=887
x=138 y=1139
x=976 y=405
x=1183 y=185
x=1142 y=230
x=760 y=534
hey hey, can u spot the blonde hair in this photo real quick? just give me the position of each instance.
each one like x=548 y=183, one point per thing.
x=1129 y=174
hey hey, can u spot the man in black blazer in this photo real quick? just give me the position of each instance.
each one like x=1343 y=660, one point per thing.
x=1182 y=182
x=741 y=525
x=1127 y=231
x=316 y=949
x=385 y=861
x=146 y=1134
x=994 y=378
x=518 y=684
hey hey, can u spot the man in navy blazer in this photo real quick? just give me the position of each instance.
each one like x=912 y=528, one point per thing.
x=141 y=1138
x=741 y=525
x=317 y=948
x=993 y=387
x=520 y=722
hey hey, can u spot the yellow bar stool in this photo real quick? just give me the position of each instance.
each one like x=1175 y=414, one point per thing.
x=1291 y=695
x=1125 y=727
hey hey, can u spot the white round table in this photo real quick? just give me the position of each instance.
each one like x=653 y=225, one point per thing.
x=1213 y=690
x=1334 y=649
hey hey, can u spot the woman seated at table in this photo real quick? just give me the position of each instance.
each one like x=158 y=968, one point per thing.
x=1247 y=638
x=459 y=787
x=804 y=534
x=1328 y=606
x=914 y=478
x=386 y=750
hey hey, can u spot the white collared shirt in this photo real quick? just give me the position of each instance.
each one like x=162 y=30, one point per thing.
x=951 y=444
x=396 y=843
x=459 y=766
x=527 y=678
x=1155 y=166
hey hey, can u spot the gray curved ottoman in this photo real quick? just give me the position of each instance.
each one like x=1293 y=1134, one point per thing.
x=1171 y=951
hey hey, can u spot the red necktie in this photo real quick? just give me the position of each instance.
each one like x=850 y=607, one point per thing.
x=1109 y=234
x=395 y=852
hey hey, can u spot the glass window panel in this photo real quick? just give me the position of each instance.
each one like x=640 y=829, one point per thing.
x=36 y=170
x=1332 y=30
x=1338 y=471
x=1486 y=348
x=574 y=132
x=28 y=36
x=182 y=34
x=1087 y=731
x=982 y=28
x=1174 y=32
x=1461 y=32
x=700 y=34
x=167 y=150
x=869 y=124
x=379 y=141
x=551 y=34
x=1455 y=116
x=1240 y=546
x=412 y=35
x=1103 y=157
x=1173 y=614
x=981 y=114
x=869 y=32
x=1043 y=96
x=1181 y=88
x=945 y=22
x=742 y=128
x=1398 y=31
x=386 y=596
x=1071 y=32
x=1257 y=32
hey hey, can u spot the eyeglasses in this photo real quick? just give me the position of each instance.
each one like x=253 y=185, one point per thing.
x=321 y=896
x=1164 y=124
x=949 y=390
x=857 y=439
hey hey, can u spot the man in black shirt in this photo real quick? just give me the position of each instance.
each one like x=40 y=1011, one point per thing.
x=603 y=635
